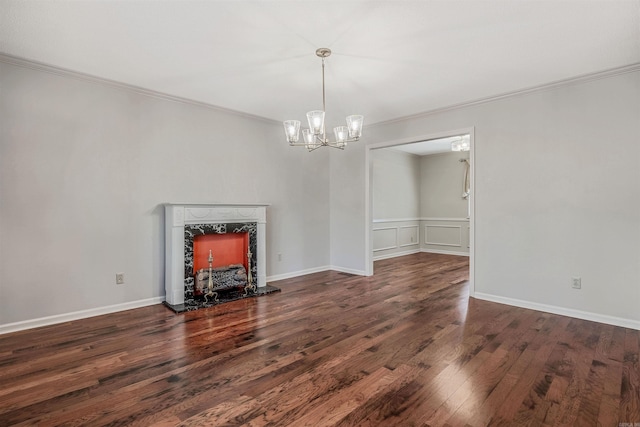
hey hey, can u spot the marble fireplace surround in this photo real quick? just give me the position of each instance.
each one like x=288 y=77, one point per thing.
x=207 y=216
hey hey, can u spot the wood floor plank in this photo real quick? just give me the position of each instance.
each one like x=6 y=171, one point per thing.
x=404 y=347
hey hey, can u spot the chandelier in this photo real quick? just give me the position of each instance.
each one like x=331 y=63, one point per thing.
x=315 y=137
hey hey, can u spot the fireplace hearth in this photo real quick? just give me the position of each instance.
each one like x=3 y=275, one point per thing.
x=186 y=224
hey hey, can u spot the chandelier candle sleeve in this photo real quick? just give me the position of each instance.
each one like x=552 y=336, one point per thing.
x=341 y=133
x=315 y=136
x=292 y=129
x=355 y=126
x=316 y=122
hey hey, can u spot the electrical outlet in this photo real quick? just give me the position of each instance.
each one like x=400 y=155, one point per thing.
x=576 y=282
x=119 y=278
x=279 y=257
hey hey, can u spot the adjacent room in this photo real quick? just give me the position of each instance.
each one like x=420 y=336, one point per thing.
x=281 y=213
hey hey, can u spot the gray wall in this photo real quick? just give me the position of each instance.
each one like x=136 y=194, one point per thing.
x=441 y=177
x=396 y=184
x=444 y=225
x=85 y=167
x=396 y=203
x=555 y=194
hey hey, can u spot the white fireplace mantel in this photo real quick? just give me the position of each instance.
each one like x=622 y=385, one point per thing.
x=179 y=215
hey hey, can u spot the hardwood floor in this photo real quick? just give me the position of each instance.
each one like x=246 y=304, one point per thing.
x=406 y=347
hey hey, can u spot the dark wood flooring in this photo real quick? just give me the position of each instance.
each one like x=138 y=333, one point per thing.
x=406 y=347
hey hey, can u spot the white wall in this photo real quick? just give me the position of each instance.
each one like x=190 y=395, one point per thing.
x=85 y=167
x=556 y=175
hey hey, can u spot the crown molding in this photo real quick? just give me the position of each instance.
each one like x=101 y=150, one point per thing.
x=584 y=78
x=52 y=69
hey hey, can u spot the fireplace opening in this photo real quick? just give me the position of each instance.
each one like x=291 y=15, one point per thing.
x=227 y=249
x=220 y=262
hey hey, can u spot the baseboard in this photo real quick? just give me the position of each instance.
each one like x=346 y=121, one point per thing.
x=348 y=270
x=396 y=254
x=578 y=314
x=298 y=273
x=443 y=252
x=77 y=315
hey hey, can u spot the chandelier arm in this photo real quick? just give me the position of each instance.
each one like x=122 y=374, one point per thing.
x=322 y=140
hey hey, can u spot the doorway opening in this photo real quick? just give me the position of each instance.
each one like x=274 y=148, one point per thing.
x=442 y=219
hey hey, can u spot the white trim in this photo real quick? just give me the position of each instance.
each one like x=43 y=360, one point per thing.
x=396 y=254
x=578 y=314
x=298 y=273
x=77 y=315
x=445 y=219
x=348 y=270
x=378 y=221
x=559 y=83
x=444 y=252
x=472 y=214
x=368 y=211
x=426 y=238
x=388 y=248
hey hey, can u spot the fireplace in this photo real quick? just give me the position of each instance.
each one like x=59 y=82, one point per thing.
x=234 y=236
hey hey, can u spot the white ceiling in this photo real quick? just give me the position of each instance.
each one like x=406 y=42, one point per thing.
x=390 y=59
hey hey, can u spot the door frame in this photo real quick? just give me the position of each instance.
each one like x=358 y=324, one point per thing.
x=369 y=195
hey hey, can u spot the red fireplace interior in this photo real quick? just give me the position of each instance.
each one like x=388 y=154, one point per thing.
x=227 y=249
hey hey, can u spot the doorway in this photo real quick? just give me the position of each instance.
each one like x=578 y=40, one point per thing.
x=427 y=144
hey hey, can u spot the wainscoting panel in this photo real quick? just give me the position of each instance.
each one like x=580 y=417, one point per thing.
x=445 y=235
x=409 y=235
x=395 y=237
x=385 y=238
